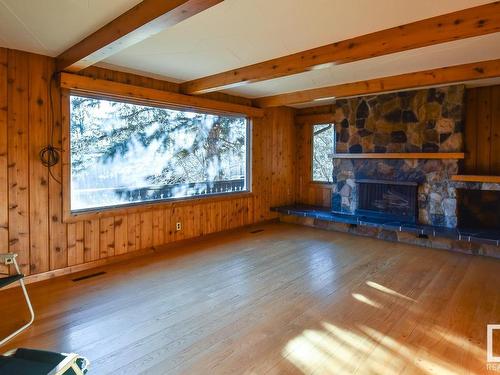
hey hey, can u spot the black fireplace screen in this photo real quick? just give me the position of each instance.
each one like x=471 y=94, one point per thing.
x=388 y=200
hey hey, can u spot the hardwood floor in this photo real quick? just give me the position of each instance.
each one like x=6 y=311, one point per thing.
x=286 y=300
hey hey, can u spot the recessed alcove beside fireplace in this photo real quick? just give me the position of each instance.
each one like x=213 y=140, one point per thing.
x=478 y=209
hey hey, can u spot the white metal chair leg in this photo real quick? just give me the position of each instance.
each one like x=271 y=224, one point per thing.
x=28 y=302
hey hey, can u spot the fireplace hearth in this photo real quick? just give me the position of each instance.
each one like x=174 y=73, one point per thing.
x=387 y=200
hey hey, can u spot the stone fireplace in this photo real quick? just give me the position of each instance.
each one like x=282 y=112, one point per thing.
x=410 y=200
x=428 y=120
x=414 y=121
x=436 y=195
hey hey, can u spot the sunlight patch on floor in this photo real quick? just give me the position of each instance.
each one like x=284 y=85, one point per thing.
x=307 y=352
x=364 y=350
x=462 y=342
x=419 y=358
x=388 y=291
x=368 y=301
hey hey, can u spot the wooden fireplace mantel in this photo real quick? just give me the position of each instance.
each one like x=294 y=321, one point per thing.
x=401 y=155
x=476 y=178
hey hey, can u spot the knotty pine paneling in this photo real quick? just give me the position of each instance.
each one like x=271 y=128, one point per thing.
x=38 y=174
x=31 y=201
x=482 y=131
x=4 y=187
x=18 y=156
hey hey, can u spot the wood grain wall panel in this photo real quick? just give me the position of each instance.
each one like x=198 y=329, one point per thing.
x=91 y=240
x=31 y=220
x=80 y=242
x=267 y=165
x=4 y=187
x=106 y=237
x=483 y=148
x=158 y=228
x=264 y=174
x=58 y=253
x=75 y=235
x=71 y=237
x=146 y=230
x=257 y=168
x=495 y=131
x=133 y=232
x=482 y=131
x=167 y=225
x=470 y=131
x=121 y=234
x=18 y=157
x=39 y=80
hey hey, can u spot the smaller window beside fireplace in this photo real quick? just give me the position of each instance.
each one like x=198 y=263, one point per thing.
x=323 y=145
x=391 y=200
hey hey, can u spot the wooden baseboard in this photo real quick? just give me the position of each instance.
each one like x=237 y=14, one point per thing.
x=86 y=266
x=124 y=257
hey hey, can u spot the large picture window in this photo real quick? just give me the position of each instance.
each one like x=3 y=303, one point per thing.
x=323 y=137
x=123 y=153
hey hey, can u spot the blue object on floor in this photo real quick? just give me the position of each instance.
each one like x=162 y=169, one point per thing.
x=41 y=362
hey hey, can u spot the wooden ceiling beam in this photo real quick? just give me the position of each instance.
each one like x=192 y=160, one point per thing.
x=138 y=23
x=480 y=20
x=116 y=90
x=433 y=77
x=315 y=118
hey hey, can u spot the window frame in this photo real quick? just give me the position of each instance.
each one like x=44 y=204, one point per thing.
x=311 y=156
x=70 y=216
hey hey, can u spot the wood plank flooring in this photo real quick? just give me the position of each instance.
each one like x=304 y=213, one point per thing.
x=285 y=300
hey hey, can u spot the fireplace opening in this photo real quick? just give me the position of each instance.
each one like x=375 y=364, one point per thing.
x=387 y=200
x=478 y=209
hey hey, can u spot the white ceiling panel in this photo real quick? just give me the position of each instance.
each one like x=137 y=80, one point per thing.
x=49 y=27
x=465 y=51
x=237 y=33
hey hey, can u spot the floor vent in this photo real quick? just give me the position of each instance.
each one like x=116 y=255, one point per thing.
x=257 y=231
x=89 y=276
x=423 y=236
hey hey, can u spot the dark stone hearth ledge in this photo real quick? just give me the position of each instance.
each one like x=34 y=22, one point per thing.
x=489 y=237
x=468 y=185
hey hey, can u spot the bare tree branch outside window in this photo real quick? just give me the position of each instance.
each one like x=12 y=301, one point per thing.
x=323 y=146
x=123 y=153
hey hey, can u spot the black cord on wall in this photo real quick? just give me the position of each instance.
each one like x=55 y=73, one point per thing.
x=50 y=155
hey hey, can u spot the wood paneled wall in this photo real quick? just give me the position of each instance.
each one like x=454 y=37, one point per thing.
x=482 y=131
x=31 y=201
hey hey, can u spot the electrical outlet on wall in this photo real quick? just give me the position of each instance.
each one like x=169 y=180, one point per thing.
x=178 y=226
